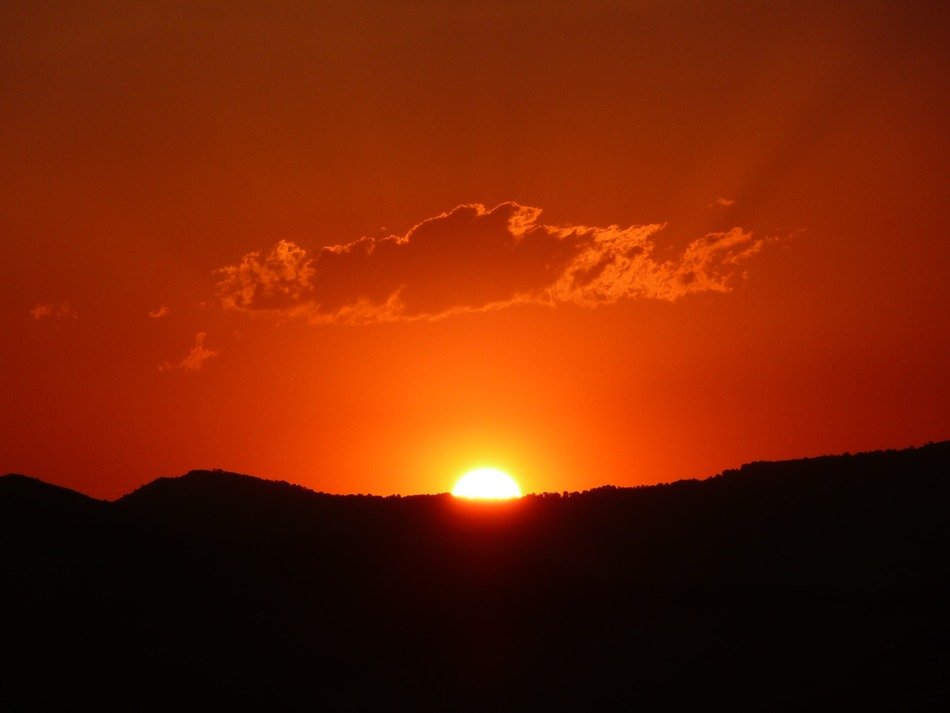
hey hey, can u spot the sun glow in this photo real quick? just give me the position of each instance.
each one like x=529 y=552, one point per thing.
x=486 y=484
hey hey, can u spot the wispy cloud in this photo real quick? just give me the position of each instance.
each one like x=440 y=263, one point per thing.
x=473 y=259
x=59 y=310
x=722 y=202
x=159 y=312
x=194 y=359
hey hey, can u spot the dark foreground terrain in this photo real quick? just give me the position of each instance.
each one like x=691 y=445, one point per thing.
x=816 y=583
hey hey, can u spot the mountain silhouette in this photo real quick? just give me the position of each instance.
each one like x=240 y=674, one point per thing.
x=813 y=583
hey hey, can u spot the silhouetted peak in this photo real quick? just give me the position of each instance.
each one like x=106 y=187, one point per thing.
x=857 y=464
x=17 y=480
x=26 y=487
x=218 y=474
x=33 y=508
x=198 y=483
x=220 y=502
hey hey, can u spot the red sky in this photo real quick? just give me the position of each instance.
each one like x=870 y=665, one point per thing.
x=366 y=246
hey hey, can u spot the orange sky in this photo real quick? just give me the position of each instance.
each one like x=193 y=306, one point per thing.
x=363 y=248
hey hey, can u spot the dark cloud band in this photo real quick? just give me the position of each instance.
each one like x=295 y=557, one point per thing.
x=474 y=259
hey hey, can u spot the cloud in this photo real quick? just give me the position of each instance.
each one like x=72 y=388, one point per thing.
x=159 y=312
x=721 y=202
x=195 y=358
x=62 y=310
x=474 y=259
x=279 y=280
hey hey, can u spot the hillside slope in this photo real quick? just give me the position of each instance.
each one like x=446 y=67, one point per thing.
x=811 y=583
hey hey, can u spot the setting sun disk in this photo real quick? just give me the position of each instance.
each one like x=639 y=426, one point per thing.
x=486 y=484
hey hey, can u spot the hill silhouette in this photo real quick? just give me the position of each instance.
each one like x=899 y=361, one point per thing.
x=813 y=583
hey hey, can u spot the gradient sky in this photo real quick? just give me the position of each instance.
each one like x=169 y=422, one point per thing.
x=364 y=246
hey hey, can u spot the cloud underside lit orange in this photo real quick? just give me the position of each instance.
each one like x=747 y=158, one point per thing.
x=474 y=259
x=61 y=310
x=194 y=359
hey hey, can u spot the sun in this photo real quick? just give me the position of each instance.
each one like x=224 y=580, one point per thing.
x=486 y=484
